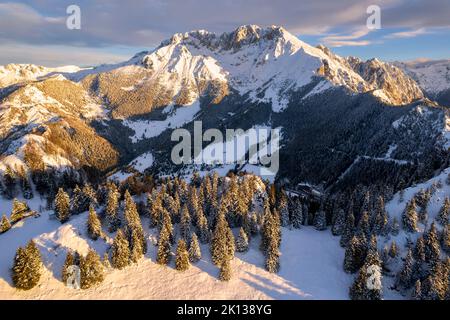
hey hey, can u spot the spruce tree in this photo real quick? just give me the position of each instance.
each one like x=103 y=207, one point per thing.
x=163 y=254
x=409 y=217
x=381 y=217
x=27 y=267
x=417 y=293
x=364 y=225
x=76 y=200
x=273 y=256
x=339 y=223
x=222 y=242
x=444 y=212
x=283 y=209
x=136 y=250
x=393 y=251
x=182 y=256
x=112 y=208
x=105 y=261
x=185 y=225
x=349 y=229
x=242 y=241
x=62 y=203
x=90 y=198
x=133 y=227
x=94 y=227
x=225 y=271
x=9 y=177
x=91 y=270
x=5 y=225
x=195 y=253
x=432 y=247
x=70 y=261
x=355 y=254
x=18 y=210
x=320 y=221
x=446 y=239
x=297 y=214
x=120 y=251
x=405 y=277
x=203 y=229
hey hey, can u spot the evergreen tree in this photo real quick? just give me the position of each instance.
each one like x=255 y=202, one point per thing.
x=273 y=256
x=395 y=228
x=225 y=270
x=182 y=256
x=446 y=239
x=91 y=270
x=185 y=225
x=120 y=251
x=368 y=283
x=420 y=267
x=283 y=208
x=393 y=251
x=136 y=250
x=405 y=277
x=222 y=242
x=444 y=212
x=70 y=261
x=381 y=217
x=349 y=228
x=27 y=267
x=417 y=293
x=297 y=214
x=112 y=208
x=432 y=247
x=90 y=198
x=242 y=241
x=163 y=254
x=133 y=228
x=339 y=223
x=320 y=220
x=9 y=178
x=5 y=225
x=195 y=253
x=203 y=229
x=363 y=228
x=105 y=261
x=18 y=210
x=355 y=254
x=94 y=227
x=62 y=202
x=76 y=201
x=25 y=185
x=409 y=217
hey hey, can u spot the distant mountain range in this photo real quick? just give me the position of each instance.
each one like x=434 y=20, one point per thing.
x=344 y=121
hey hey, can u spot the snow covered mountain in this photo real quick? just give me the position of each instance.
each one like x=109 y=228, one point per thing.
x=249 y=77
x=432 y=76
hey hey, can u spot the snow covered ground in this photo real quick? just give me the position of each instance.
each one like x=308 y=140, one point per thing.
x=311 y=267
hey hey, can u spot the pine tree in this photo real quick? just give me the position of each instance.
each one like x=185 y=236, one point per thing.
x=163 y=254
x=27 y=267
x=5 y=225
x=70 y=261
x=203 y=229
x=355 y=254
x=182 y=256
x=409 y=217
x=185 y=225
x=320 y=220
x=420 y=267
x=94 y=227
x=195 y=253
x=90 y=198
x=393 y=250
x=62 y=202
x=136 y=250
x=120 y=251
x=381 y=217
x=395 y=228
x=339 y=223
x=364 y=225
x=432 y=247
x=417 y=293
x=297 y=214
x=368 y=284
x=25 y=185
x=105 y=261
x=273 y=256
x=75 y=202
x=18 y=210
x=283 y=209
x=446 y=238
x=225 y=271
x=349 y=228
x=91 y=270
x=222 y=243
x=444 y=212
x=9 y=178
x=242 y=241
x=112 y=208
x=405 y=277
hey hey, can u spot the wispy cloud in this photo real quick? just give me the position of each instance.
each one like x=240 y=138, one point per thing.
x=342 y=40
x=407 y=34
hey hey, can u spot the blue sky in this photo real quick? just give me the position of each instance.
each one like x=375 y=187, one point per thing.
x=34 y=31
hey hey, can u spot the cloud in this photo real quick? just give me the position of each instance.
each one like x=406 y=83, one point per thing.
x=407 y=34
x=340 y=40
